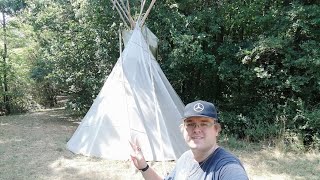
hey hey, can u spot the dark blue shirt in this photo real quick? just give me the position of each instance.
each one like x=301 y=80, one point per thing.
x=220 y=165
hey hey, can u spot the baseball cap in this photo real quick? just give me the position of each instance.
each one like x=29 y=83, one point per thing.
x=201 y=109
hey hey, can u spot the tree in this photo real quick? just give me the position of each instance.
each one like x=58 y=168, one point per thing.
x=77 y=47
x=7 y=7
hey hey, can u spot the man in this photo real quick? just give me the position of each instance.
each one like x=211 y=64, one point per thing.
x=205 y=159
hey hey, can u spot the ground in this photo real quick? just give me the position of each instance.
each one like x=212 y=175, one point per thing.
x=33 y=146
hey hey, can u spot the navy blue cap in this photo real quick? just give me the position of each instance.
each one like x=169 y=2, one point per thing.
x=201 y=109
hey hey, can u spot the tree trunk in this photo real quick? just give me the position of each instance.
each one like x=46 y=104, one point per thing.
x=4 y=56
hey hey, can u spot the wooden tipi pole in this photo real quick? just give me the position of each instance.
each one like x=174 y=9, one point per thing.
x=147 y=12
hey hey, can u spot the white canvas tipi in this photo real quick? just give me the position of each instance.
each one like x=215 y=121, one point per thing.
x=137 y=104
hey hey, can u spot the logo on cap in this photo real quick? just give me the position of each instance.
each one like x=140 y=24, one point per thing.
x=198 y=107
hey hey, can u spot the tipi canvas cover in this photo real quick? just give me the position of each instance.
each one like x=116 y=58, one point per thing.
x=137 y=104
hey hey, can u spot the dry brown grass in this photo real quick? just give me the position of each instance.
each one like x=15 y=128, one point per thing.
x=32 y=146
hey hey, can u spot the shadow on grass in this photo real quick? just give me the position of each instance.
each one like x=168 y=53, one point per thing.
x=33 y=146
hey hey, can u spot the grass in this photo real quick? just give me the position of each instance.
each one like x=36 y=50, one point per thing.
x=33 y=146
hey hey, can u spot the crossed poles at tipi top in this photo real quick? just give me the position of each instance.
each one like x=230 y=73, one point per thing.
x=124 y=12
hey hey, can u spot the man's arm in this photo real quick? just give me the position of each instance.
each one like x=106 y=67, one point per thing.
x=150 y=174
x=140 y=163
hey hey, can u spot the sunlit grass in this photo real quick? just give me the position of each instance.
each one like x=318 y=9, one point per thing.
x=32 y=146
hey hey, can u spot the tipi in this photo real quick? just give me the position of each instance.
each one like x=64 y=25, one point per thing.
x=137 y=104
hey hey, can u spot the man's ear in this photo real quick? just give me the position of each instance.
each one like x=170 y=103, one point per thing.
x=218 y=127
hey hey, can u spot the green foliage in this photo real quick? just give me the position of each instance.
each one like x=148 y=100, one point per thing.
x=77 y=47
x=257 y=60
x=20 y=58
x=257 y=125
x=15 y=63
x=253 y=58
x=186 y=48
x=307 y=124
x=11 y=6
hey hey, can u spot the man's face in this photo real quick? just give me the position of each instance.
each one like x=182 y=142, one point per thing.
x=200 y=133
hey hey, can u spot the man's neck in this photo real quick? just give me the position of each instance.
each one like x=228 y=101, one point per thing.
x=200 y=156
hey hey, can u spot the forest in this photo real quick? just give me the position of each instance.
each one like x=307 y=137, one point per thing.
x=257 y=60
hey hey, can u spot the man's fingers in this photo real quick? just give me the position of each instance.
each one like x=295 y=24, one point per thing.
x=134 y=147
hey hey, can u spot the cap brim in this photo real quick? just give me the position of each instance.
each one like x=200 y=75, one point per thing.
x=184 y=118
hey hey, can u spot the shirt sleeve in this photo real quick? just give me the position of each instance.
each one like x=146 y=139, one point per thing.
x=233 y=172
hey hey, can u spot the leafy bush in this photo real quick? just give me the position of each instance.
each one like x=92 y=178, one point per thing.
x=309 y=128
x=257 y=125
